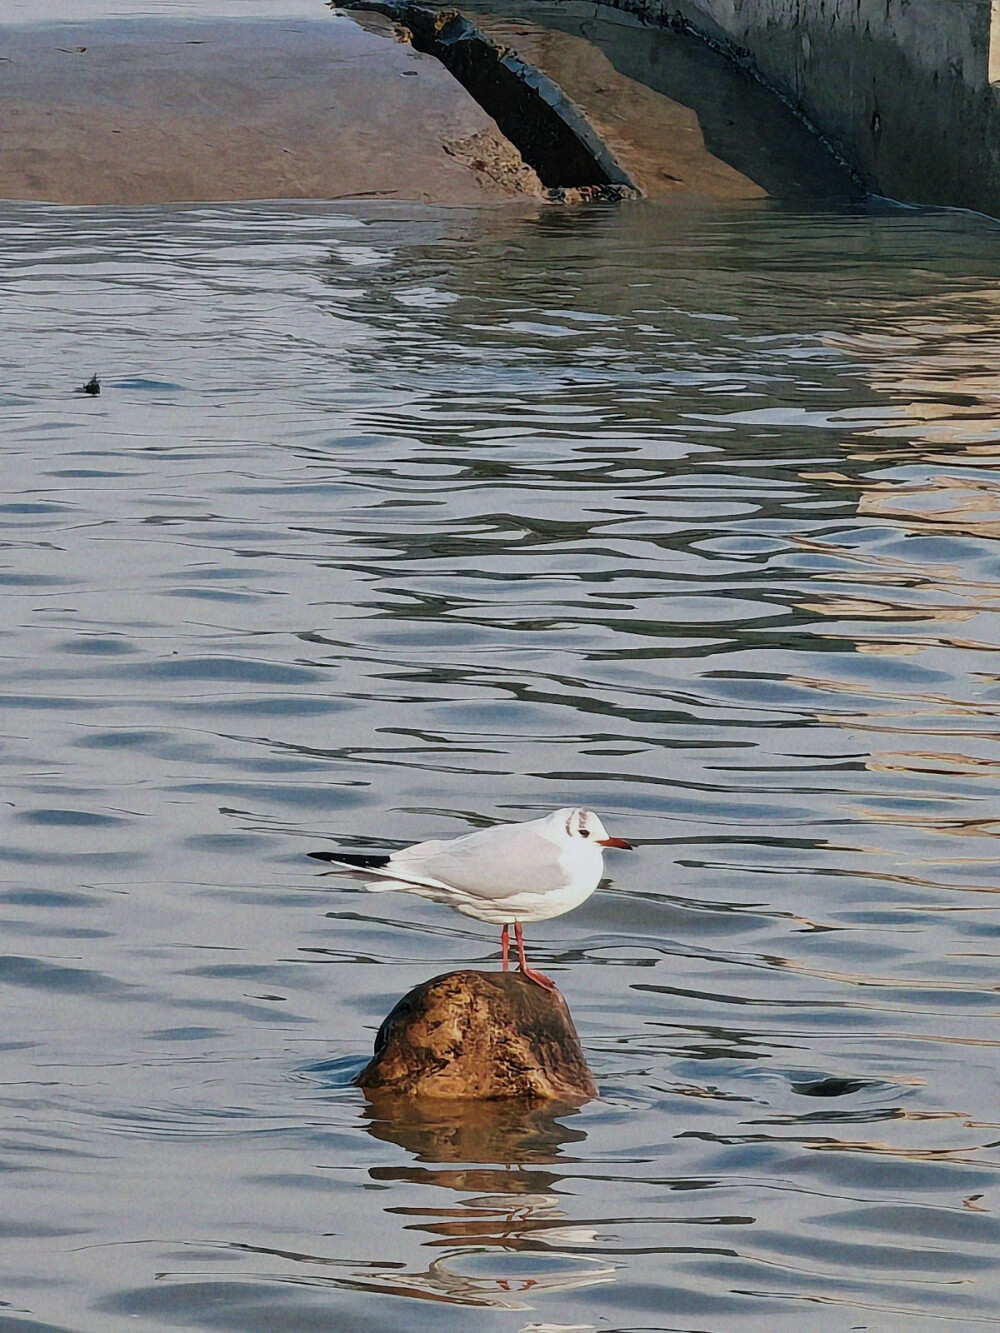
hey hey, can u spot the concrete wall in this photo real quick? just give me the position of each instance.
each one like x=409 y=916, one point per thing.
x=901 y=87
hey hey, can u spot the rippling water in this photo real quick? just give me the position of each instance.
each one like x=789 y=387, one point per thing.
x=390 y=524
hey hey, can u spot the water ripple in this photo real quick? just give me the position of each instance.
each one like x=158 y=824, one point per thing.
x=392 y=522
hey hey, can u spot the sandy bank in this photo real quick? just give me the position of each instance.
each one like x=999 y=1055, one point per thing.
x=152 y=111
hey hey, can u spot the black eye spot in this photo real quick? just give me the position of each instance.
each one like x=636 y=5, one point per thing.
x=585 y=833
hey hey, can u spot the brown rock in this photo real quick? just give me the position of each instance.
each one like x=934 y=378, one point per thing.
x=480 y=1036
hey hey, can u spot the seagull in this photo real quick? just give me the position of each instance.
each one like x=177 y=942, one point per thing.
x=507 y=874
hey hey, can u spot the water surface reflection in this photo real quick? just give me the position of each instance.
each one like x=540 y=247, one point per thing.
x=390 y=524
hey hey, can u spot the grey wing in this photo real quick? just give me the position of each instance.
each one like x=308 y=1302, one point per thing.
x=492 y=864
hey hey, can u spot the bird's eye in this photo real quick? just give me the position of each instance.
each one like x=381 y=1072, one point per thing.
x=585 y=833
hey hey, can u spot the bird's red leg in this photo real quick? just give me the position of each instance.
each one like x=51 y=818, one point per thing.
x=505 y=947
x=538 y=977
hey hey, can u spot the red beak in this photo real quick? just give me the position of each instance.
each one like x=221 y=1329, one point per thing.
x=616 y=842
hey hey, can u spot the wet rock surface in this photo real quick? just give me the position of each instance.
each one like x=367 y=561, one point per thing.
x=479 y=1036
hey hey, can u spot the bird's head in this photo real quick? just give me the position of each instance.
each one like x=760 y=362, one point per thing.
x=583 y=823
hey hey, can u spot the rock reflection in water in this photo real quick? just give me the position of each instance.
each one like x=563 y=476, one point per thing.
x=505 y=1234
x=510 y=1133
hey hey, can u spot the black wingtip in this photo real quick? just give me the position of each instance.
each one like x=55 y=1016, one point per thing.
x=360 y=861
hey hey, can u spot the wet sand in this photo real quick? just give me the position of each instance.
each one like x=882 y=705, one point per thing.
x=153 y=111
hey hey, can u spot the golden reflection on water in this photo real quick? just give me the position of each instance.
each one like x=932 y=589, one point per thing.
x=941 y=374
x=929 y=761
x=869 y=608
x=940 y=388
x=865 y=560
x=938 y=379
x=965 y=505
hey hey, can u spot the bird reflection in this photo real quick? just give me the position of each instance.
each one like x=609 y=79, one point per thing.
x=505 y=1236
x=441 y=1282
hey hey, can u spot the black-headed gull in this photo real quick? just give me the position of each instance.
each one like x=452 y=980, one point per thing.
x=507 y=874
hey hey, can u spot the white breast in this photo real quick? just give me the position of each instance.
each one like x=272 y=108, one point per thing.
x=582 y=865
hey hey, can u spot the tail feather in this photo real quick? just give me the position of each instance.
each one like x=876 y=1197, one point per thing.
x=386 y=877
x=360 y=860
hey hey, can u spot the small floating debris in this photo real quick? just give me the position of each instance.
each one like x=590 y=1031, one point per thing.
x=831 y=1087
x=93 y=386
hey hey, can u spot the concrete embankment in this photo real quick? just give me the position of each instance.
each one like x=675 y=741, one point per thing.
x=904 y=89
